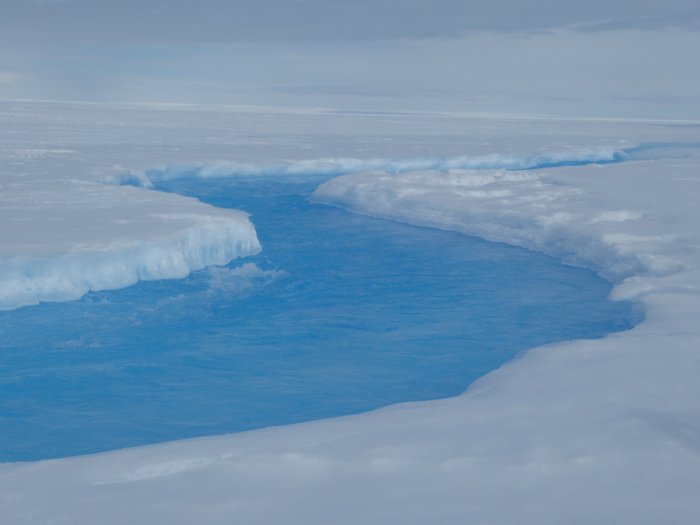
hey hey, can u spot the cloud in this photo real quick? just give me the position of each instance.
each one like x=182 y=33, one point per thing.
x=48 y=2
x=621 y=73
x=125 y=22
x=8 y=77
x=612 y=57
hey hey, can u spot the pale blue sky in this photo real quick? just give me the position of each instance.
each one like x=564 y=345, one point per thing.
x=618 y=57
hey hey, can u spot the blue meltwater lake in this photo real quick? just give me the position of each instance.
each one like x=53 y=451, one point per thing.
x=338 y=314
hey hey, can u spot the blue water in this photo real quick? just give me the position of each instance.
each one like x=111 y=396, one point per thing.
x=339 y=314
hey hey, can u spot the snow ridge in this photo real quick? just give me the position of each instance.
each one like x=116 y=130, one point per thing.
x=212 y=240
x=331 y=167
x=527 y=209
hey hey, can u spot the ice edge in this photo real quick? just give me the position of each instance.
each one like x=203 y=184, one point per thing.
x=211 y=240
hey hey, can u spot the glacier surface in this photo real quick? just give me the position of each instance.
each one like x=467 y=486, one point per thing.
x=600 y=431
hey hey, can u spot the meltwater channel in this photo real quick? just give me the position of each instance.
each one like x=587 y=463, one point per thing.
x=339 y=314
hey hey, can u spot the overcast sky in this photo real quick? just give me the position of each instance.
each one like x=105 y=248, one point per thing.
x=612 y=57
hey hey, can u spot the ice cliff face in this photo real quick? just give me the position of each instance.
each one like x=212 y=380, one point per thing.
x=65 y=240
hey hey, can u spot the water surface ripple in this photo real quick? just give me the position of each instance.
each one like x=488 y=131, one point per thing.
x=339 y=314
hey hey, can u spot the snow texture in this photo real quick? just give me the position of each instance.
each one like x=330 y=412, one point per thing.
x=83 y=238
x=602 y=431
x=340 y=166
x=62 y=238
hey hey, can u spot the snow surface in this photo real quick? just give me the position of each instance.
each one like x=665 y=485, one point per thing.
x=62 y=239
x=331 y=166
x=602 y=431
x=64 y=233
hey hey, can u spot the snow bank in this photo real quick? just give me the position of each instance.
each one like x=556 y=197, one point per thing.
x=334 y=167
x=62 y=241
x=532 y=210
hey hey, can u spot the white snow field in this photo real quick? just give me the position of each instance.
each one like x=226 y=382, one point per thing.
x=596 y=432
x=64 y=234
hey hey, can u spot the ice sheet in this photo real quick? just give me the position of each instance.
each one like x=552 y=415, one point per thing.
x=599 y=431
